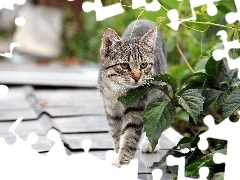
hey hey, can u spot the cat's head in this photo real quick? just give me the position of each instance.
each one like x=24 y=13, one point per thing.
x=128 y=62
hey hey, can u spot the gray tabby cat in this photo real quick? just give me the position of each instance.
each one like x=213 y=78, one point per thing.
x=127 y=63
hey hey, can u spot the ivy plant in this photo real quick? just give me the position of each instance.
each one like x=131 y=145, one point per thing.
x=215 y=87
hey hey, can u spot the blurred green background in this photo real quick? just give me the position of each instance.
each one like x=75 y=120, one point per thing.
x=195 y=40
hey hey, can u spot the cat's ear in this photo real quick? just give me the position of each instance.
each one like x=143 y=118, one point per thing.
x=148 y=40
x=109 y=41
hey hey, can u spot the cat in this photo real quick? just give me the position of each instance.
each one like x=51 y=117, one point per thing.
x=126 y=63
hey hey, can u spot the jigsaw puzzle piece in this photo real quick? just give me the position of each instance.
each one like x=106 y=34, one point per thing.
x=111 y=157
x=153 y=6
x=203 y=173
x=173 y=14
x=219 y=54
x=24 y=147
x=3 y=91
x=9 y=4
x=58 y=149
x=232 y=158
x=102 y=12
x=214 y=131
x=12 y=46
x=157 y=174
x=232 y=17
x=86 y=145
x=219 y=158
x=180 y=162
x=14 y=126
x=20 y=21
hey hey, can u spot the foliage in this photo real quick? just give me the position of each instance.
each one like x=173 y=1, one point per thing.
x=216 y=87
x=199 y=87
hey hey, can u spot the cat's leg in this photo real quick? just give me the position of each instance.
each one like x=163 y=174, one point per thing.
x=130 y=135
x=115 y=126
x=146 y=147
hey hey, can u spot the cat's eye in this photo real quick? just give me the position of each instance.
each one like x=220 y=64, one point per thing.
x=143 y=65
x=124 y=65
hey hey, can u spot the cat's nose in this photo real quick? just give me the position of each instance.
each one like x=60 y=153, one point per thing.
x=136 y=74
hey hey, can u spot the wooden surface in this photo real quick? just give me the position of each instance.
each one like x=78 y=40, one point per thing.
x=51 y=74
x=72 y=106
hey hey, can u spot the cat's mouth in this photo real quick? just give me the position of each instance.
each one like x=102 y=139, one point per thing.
x=134 y=84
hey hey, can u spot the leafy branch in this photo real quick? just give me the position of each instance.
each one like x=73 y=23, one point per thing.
x=216 y=87
x=207 y=22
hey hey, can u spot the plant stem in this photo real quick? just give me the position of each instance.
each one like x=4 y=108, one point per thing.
x=212 y=24
x=181 y=53
x=206 y=23
x=136 y=22
x=164 y=8
x=192 y=131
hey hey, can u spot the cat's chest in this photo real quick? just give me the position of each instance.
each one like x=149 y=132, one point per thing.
x=115 y=90
x=111 y=94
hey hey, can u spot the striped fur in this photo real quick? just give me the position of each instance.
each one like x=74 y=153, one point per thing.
x=127 y=63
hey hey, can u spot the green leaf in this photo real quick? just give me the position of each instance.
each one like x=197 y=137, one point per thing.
x=192 y=169
x=163 y=88
x=134 y=95
x=229 y=76
x=157 y=116
x=213 y=68
x=167 y=79
x=178 y=71
x=220 y=100
x=232 y=103
x=198 y=76
x=212 y=82
x=185 y=142
x=210 y=95
x=192 y=101
x=204 y=8
x=169 y=152
x=188 y=142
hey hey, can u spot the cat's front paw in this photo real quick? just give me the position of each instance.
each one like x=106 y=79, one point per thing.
x=145 y=147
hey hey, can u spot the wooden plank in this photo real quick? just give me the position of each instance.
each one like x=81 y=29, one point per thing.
x=71 y=102
x=165 y=143
x=40 y=126
x=43 y=144
x=19 y=93
x=68 y=97
x=81 y=124
x=11 y=115
x=74 y=111
x=19 y=102
x=100 y=141
x=52 y=74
